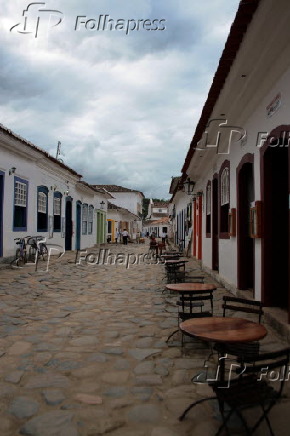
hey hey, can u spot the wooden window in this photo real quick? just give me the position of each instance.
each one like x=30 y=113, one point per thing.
x=256 y=220
x=20 y=205
x=90 y=220
x=84 y=219
x=42 y=208
x=208 y=210
x=224 y=200
x=57 y=211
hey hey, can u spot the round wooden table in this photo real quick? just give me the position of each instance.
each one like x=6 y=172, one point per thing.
x=190 y=287
x=224 y=329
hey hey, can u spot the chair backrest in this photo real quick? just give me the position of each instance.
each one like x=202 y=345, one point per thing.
x=242 y=305
x=263 y=365
x=189 y=301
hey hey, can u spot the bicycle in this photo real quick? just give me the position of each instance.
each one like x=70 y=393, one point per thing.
x=37 y=249
x=21 y=254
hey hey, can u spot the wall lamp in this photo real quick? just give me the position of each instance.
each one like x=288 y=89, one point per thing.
x=53 y=187
x=12 y=171
x=188 y=186
x=102 y=205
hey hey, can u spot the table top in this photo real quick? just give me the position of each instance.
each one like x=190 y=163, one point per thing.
x=176 y=261
x=224 y=329
x=190 y=287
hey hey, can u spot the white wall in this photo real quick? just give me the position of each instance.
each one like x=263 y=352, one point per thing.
x=257 y=121
x=40 y=172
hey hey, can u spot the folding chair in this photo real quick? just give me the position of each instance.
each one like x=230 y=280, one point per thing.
x=175 y=272
x=253 y=387
x=188 y=303
x=250 y=349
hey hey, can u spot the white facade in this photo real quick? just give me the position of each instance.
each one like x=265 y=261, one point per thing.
x=35 y=199
x=241 y=230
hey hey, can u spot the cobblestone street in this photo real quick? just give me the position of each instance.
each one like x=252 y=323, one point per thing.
x=83 y=352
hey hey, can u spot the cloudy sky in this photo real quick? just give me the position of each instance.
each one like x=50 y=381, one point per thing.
x=124 y=103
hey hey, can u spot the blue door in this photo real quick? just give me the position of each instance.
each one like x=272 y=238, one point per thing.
x=1 y=211
x=78 y=225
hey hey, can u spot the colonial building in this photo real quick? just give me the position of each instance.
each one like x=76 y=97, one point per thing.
x=118 y=219
x=40 y=195
x=237 y=166
x=127 y=199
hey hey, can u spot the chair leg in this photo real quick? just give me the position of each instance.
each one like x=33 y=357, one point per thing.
x=265 y=416
x=181 y=418
x=171 y=334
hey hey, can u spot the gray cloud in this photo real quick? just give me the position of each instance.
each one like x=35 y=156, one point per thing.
x=123 y=106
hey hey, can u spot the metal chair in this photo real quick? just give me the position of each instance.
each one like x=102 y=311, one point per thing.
x=245 y=350
x=175 y=272
x=253 y=387
x=188 y=303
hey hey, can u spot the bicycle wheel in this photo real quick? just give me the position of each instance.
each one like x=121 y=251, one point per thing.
x=32 y=254
x=43 y=251
x=18 y=261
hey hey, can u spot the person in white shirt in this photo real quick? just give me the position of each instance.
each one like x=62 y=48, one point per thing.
x=163 y=236
x=125 y=235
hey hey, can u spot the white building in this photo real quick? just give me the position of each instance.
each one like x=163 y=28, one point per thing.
x=119 y=219
x=41 y=196
x=239 y=159
x=157 y=220
x=128 y=199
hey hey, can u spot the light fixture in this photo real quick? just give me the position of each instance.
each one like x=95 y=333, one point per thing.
x=12 y=171
x=66 y=192
x=53 y=187
x=102 y=205
x=188 y=186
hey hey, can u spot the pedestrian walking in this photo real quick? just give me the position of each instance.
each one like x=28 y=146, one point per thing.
x=125 y=235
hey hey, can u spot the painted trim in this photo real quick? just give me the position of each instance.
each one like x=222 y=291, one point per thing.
x=90 y=208
x=43 y=189
x=20 y=229
x=277 y=133
x=2 y=174
x=215 y=223
x=208 y=234
x=225 y=164
x=57 y=194
x=246 y=159
x=84 y=204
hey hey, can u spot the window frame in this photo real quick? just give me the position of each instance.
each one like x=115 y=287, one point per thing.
x=57 y=195
x=90 y=219
x=208 y=210
x=85 y=221
x=14 y=227
x=42 y=190
x=224 y=200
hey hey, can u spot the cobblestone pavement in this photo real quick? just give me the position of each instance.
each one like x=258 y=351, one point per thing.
x=83 y=352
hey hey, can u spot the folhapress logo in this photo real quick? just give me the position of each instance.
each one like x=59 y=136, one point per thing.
x=34 y=15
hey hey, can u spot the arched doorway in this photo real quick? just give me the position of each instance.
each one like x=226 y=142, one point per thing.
x=275 y=197
x=68 y=224
x=246 y=247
